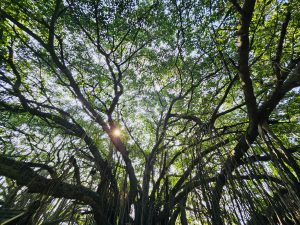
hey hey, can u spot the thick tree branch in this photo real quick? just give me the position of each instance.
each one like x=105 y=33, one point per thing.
x=280 y=45
x=243 y=52
x=247 y=139
x=25 y=176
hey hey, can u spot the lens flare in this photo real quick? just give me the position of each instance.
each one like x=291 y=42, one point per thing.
x=116 y=132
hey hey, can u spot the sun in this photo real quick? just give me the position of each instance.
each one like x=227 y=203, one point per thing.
x=116 y=132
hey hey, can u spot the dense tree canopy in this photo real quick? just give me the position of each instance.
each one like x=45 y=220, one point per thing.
x=150 y=112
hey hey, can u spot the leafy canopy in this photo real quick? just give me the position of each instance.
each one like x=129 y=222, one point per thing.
x=150 y=112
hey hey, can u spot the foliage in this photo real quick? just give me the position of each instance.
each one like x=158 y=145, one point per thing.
x=150 y=112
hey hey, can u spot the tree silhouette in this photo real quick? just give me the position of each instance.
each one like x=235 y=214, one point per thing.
x=150 y=112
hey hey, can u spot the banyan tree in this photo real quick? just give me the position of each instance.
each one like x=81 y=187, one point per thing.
x=149 y=112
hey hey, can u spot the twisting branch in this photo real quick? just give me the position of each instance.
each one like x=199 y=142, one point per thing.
x=280 y=46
